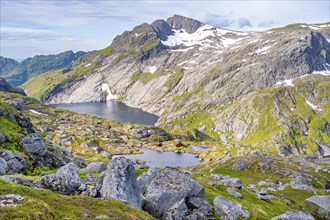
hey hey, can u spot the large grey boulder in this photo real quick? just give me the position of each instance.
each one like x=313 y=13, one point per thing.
x=14 y=163
x=34 y=145
x=320 y=205
x=302 y=184
x=229 y=210
x=3 y=166
x=145 y=179
x=65 y=181
x=96 y=167
x=120 y=182
x=176 y=212
x=294 y=216
x=168 y=188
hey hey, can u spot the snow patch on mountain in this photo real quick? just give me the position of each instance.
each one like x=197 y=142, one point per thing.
x=105 y=87
x=203 y=36
x=313 y=106
x=152 y=69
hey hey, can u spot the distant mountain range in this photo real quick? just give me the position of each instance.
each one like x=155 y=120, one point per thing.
x=17 y=73
x=262 y=90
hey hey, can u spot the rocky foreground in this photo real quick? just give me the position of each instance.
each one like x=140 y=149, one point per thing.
x=55 y=164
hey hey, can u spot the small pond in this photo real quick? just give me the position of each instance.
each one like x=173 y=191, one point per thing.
x=162 y=159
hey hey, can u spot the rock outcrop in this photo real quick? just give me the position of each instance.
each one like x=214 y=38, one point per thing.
x=295 y=216
x=11 y=200
x=65 y=181
x=145 y=179
x=229 y=210
x=320 y=205
x=95 y=167
x=34 y=145
x=15 y=164
x=120 y=182
x=166 y=191
x=302 y=184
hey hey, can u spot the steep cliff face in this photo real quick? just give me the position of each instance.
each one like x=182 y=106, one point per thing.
x=181 y=68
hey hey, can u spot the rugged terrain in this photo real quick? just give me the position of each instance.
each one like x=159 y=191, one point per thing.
x=18 y=73
x=267 y=90
x=258 y=100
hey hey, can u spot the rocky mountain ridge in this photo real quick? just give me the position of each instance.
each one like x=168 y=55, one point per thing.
x=198 y=78
x=17 y=73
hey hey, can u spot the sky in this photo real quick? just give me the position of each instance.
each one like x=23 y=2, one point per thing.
x=42 y=27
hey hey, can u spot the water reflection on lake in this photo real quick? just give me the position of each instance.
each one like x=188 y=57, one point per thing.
x=115 y=111
x=162 y=159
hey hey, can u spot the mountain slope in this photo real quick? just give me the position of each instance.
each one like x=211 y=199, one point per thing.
x=18 y=73
x=180 y=69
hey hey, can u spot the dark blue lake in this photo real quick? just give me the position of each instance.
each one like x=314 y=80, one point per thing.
x=115 y=111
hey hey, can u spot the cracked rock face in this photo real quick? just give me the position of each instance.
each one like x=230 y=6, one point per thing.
x=65 y=181
x=320 y=205
x=10 y=200
x=120 y=182
x=228 y=209
x=167 y=188
x=294 y=215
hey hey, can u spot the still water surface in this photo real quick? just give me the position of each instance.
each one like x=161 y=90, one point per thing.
x=162 y=159
x=115 y=111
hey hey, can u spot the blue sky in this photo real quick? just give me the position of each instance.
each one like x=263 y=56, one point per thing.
x=31 y=27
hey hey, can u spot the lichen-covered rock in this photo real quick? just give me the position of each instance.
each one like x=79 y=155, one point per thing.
x=3 y=138
x=95 y=167
x=65 y=181
x=232 y=191
x=176 y=212
x=15 y=164
x=200 y=207
x=167 y=188
x=320 y=205
x=294 y=216
x=145 y=179
x=120 y=182
x=301 y=184
x=34 y=145
x=3 y=166
x=11 y=200
x=229 y=210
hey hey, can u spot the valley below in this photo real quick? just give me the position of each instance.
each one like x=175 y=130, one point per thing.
x=174 y=120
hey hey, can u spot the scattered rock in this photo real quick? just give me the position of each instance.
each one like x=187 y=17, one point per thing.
x=228 y=209
x=320 y=205
x=168 y=188
x=263 y=195
x=11 y=200
x=294 y=216
x=106 y=154
x=301 y=184
x=65 y=181
x=234 y=182
x=232 y=191
x=120 y=182
x=3 y=139
x=3 y=166
x=145 y=179
x=200 y=206
x=95 y=167
x=14 y=162
x=34 y=145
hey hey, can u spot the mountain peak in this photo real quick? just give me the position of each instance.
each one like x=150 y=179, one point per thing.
x=179 y=22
